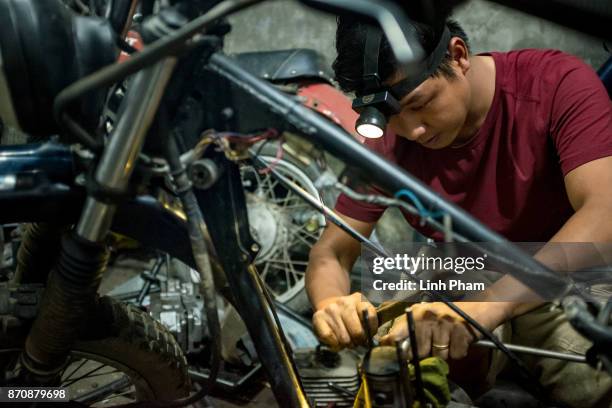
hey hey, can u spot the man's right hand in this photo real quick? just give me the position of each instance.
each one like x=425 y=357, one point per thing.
x=338 y=321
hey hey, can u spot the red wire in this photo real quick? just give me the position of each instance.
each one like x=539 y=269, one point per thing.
x=277 y=159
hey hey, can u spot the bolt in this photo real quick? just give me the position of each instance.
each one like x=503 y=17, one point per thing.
x=254 y=247
x=80 y=180
x=312 y=224
x=227 y=113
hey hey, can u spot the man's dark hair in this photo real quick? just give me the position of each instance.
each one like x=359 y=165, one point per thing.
x=350 y=41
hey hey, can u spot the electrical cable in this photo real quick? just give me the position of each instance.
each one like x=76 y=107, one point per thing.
x=423 y=213
x=391 y=202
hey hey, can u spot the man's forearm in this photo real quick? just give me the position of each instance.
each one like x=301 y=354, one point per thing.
x=325 y=278
x=584 y=226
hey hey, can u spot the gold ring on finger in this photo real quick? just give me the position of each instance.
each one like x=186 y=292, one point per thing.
x=440 y=346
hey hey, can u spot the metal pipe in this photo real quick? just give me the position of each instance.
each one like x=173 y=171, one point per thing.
x=232 y=385
x=420 y=387
x=95 y=219
x=141 y=102
x=534 y=351
x=119 y=157
x=271 y=322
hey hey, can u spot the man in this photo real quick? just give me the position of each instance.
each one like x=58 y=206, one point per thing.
x=521 y=140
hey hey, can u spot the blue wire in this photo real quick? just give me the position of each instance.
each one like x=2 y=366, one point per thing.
x=423 y=212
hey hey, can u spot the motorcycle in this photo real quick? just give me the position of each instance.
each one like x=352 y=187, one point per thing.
x=181 y=120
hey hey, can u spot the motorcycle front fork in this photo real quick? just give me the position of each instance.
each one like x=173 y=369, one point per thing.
x=73 y=284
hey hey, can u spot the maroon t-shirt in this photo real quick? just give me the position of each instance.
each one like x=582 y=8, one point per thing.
x=550 y=114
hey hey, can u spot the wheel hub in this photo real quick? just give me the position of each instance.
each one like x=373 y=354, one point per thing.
x=268 y=226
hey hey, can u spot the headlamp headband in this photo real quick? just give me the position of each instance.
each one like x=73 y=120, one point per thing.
x=372 y=82
x=428 y=67
x=371 y=77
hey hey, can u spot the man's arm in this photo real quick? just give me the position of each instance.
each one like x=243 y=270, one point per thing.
x=589 y=189
x=337 y=317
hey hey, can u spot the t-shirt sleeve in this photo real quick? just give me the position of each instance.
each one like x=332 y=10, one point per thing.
x=359 y=210
x=581 y=117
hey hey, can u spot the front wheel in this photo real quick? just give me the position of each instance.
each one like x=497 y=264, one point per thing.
x=122 y=355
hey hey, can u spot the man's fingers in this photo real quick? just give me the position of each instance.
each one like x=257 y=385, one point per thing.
x=395 y=333
x=323 y=330
x=460 y=341
x=399 y=331
x=424 y=335
x=334 y=318
x=441 y=339
x=353 y=325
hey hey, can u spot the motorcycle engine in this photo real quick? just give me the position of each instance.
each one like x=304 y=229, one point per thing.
x=179 y=307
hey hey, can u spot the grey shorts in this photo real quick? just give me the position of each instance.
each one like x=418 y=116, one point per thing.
x=573 y=384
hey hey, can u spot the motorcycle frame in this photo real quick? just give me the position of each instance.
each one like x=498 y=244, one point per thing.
x=51 y=190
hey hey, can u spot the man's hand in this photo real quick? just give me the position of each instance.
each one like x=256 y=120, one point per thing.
x=443 y=333
x=338 y=321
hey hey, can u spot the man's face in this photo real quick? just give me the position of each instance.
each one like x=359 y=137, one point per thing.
x=434 y=113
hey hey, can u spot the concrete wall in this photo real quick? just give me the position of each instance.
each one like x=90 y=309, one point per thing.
x=285 y=24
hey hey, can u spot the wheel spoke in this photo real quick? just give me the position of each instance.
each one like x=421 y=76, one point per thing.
x=268 y=188
x=303 y=228
x=75 y=370
x=291 y=269
x=287 y=276
x=282 y=201
x=121 y=394
x=83 y=376
x=264 y=273
x=100 y=394
x=99 y=374
x=304 y=239
x=294 y=206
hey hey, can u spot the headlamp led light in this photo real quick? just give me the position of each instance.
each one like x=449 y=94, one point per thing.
x=373 y=111
x=376 y=103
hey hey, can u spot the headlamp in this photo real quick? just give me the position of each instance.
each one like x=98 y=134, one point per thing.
x=374 y=111
x=376 y=103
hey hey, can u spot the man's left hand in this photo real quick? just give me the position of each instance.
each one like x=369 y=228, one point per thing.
x=443 y=333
